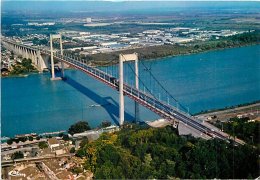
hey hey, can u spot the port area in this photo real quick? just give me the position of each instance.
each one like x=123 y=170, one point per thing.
x=252 y=111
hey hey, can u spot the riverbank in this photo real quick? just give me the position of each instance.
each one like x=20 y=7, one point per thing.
x=114 y=59
x=211 y=111
x=21 y=69
x=15 y=76
x=164 y=51
x=193 y=53
x=250 y=110
x=20 y=75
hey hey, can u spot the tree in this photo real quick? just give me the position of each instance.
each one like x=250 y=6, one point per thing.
x=17 y=140
x=17 y=155
x=248 y=131
x=23 y=139
x=30 y=138
x=43 y=42
x=43 y=145
x=83 y=142
x=150 y=153
x=77 y=170
x=196 y=46
x=38 y=138
x=147 y=159
x=27 y=64
x=105 y=124
x=24 y=67
x=60 y=134
x=10 y=141
x=49 y=136
x=65 y=137
x=72 y=150
x=79 y=127
x=81 y=153
x=73 y=141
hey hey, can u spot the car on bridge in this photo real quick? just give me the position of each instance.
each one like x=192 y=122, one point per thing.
x=114 y=81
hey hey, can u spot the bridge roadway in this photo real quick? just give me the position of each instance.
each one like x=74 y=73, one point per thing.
x=159 y=107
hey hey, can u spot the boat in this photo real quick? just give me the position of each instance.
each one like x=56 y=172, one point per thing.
x=98 y=105
x=95 y=105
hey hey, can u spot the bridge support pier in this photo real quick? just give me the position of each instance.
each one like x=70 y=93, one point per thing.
x=52 y=60
x=137 y=87
x=58 y=36
x=121 y=91
x=123 y=58
x=61 y=52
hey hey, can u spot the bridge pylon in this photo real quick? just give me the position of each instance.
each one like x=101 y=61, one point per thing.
x=52 y=37
x=124 y=58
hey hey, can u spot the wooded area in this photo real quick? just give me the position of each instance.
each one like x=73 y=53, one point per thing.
x=145 y=153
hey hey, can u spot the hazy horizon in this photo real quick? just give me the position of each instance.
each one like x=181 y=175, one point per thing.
x=116 y=6
x=145 y=0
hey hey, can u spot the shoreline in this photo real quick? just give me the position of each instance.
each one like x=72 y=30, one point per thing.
x=21 y=75
x=147 y=59
x=16 y=76
x=177 y=55
x=206 y=51
x=244 y=105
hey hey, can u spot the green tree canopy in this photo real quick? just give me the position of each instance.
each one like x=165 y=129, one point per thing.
x=24 y=67
x=65 y=137
x=17 y=155
x=83 y=142
x=30 y=138
x=149 y=153
x=43 y=145
x=72 y=150
x=38 y=138
x=9 y=141
x=79 y=127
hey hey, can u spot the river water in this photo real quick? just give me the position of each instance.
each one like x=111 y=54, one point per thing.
x=210 y=80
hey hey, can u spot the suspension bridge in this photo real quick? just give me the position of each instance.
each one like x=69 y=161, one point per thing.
x=144 y=97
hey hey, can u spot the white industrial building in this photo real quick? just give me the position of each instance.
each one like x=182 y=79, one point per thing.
x=53 y=143
x=88 y=20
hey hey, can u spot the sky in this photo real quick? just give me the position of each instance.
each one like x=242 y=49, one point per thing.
x=129 y=0
x=110 y=5
x=123 y=5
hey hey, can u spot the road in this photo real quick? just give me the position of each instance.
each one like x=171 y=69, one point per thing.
x=229 y=110
x=7 y=147
x=36 y=159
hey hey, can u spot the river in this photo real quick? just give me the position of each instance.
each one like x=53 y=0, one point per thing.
x=204 y=81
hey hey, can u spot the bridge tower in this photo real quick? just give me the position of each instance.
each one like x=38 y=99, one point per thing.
x=53 y=37
x=124 y=58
